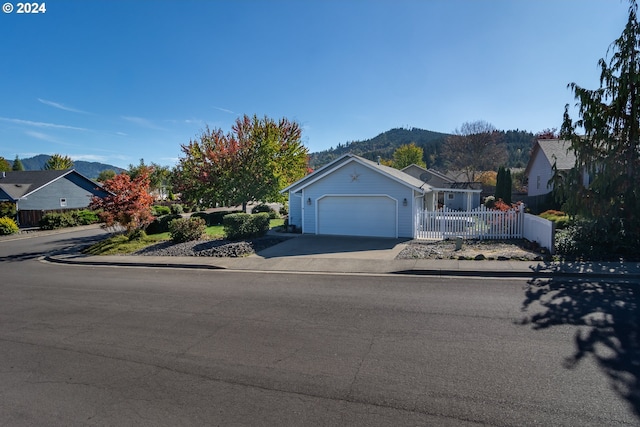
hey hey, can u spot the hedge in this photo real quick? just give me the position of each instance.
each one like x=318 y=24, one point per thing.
x=245 y=226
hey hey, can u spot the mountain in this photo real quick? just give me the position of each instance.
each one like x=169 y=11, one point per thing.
x=89 y=169
x=517 y=143
x=384 y=145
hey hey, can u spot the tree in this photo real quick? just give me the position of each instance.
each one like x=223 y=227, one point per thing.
x=17 y=164
x=548 y=134
x=503 y=185
x=5 y=166
x=253 y=162
x=159 y=176
x=609 y=148
x=129 y=203
x=408 y=154
x=474 y=148
x=106 y=175
x=58 y=162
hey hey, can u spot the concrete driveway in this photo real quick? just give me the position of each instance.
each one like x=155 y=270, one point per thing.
x=354 y=247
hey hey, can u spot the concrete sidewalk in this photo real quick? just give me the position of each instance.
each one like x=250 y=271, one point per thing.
x=357 y=255
x=341 y=263
x=629 y=271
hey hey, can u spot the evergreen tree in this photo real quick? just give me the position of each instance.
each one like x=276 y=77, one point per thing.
x=17 y=165
x=58 y=162
x=4 y=165
x=609 y=149
x=507 y=186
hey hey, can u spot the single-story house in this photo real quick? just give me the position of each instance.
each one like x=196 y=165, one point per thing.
x=36 y=192
x=452 y=193
x=539 y=170
x=358 y=197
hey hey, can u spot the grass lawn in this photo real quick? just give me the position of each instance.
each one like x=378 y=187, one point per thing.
x=120 y=244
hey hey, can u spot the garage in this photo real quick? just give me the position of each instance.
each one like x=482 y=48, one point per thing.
x=358 y=215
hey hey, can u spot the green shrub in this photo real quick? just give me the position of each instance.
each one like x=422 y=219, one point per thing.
x=187 y=229
x=560 y=218
x=8 y=226
x=160 y=224
x=284 y=211
x=85 y=217
x=245 y=226
x=137 y=234
x=596 y=241
x=159 y=210
x=216 y=218
x=8 y=209
x=490 y=202
x=176 y=209
x=55 y=220
x=261 y=208
x=202 y=215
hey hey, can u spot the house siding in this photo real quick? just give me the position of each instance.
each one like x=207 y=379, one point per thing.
x=356 y=179
x=76 y=190
x=540 y=173
x=459 y=201
x=295 y=209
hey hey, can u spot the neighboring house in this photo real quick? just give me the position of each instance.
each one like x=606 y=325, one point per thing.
x=358 y=197
x=35 y=192
x=451 y=193
x=539 y=170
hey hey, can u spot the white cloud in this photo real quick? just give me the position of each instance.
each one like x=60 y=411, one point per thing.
x=89 y=157
x=145 y=123
x=42 y=136
x=40 y=124
x=60 y=106
x=224 y=110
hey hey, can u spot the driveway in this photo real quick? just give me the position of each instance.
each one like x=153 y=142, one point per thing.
x=311 y=245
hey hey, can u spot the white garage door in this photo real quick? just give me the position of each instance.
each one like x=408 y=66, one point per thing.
x=357 y=216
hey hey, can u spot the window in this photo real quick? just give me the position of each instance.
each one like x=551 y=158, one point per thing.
x=63 y=203
x=451 y=196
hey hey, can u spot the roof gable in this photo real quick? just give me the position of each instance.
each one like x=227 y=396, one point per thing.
x=387 y=171
x=18 y=184
x=556 y=151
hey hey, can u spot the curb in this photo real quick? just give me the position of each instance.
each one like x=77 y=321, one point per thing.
x=78 y=260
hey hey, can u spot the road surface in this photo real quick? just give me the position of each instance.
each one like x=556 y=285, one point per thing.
x=142 y=346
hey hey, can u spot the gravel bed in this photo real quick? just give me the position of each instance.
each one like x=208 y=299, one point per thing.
x=519 y=250
x=211 y=248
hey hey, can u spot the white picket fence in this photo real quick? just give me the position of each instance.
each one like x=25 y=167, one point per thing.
x=480 y=223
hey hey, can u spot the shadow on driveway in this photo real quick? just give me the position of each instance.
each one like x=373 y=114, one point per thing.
x=336 y=247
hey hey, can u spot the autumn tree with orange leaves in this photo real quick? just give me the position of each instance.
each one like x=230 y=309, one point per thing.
x=129 y=202
x=253 y=162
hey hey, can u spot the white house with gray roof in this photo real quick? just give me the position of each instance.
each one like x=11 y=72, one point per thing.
x=355 y=196
x=539 y=170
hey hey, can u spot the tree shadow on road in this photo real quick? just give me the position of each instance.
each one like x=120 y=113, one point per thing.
x=61 y=247
x=606 y=310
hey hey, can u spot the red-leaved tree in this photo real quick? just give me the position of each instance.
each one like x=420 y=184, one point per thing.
x=129 y=203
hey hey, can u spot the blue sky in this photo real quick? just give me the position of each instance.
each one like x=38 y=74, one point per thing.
x=115 y=81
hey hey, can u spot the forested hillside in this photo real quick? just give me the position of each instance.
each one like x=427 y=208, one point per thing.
x=517 y=143
x=88 y=169
x=384 y=145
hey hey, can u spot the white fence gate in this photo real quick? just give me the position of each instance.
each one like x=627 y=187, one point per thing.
x=480 y=223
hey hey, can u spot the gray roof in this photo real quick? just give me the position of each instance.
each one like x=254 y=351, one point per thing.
x=558 y=151
x=396 y=173
x=387 y=170
x=17 y=184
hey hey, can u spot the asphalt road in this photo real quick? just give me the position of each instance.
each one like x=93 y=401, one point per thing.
x=141 y=346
